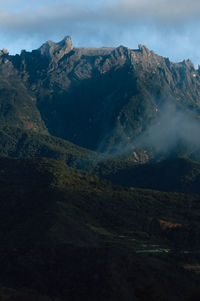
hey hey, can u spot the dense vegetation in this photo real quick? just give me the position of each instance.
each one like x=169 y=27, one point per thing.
x=68 y=234
x=20 y=143
x=172 y=174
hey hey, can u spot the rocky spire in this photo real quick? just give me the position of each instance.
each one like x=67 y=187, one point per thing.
x=57 y=50
x=4 y=51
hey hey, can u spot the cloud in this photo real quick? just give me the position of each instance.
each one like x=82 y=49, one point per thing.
x=171 y=127
x=158 y=9
x=115 y=12
x=171 y=28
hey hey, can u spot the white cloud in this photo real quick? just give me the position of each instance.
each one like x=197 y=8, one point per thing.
x=177 y=9
x=171 y=28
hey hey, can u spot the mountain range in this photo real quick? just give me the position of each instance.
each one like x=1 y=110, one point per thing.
x=99 y=175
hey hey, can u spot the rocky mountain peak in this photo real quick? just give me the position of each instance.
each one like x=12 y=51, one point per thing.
x=66 y=41
x=188 y=63
x=143 y=49
x=56 y=50
x=4 y=51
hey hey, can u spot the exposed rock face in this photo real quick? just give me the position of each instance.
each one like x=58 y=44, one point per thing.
x=4 y=51
x=56 y=50
x=103 y=98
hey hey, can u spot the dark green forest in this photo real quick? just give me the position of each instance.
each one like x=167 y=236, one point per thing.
x=70 y=235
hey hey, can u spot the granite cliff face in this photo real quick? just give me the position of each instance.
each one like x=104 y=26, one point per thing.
x=103 y=99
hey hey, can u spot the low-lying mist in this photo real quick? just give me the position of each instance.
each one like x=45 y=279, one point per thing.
x=172 y=126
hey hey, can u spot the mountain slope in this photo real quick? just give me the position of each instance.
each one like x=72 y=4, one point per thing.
x=173 y=174
x=17 y=103
x=67 y=234
x=19 y=143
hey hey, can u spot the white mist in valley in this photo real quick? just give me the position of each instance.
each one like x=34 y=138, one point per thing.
x=172 y=125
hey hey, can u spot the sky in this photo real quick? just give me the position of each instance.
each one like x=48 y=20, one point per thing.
x=169 y=27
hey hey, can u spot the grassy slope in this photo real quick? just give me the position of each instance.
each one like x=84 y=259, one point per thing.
x=69 y=234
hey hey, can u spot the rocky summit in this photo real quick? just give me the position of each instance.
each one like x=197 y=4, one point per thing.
x=56 y=50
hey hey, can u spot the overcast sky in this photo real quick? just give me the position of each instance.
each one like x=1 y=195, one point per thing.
x=169 y=27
